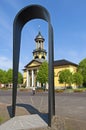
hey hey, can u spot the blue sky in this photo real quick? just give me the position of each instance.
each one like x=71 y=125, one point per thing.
x=68 y=18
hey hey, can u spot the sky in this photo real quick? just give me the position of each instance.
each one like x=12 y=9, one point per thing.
x=68 y=18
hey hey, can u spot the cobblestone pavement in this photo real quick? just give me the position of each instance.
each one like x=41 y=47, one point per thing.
x=68 y=105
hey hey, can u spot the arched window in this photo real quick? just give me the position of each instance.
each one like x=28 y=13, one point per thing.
x=43 y=57
x=36 y=57
x=58 y=73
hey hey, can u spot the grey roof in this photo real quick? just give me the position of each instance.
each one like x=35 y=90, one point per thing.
x=56 y=63
x=39 y=36
x=64 y=62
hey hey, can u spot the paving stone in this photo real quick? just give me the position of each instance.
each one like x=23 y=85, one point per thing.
x=24 y=122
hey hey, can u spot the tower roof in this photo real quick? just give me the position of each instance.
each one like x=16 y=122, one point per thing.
x=39 y=36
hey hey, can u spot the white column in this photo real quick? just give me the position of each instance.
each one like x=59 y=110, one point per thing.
x=47 y=86
x=37 y=84
x=27 y=84
x=28 y=78
x=32 y=78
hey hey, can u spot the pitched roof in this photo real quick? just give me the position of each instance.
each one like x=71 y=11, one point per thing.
x=56 y=63
x=37 y=60
x=64 y=62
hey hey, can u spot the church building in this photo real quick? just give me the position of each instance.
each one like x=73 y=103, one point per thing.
x=39 y=56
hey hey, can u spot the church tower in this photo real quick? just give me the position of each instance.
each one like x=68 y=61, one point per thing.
x=39 y=52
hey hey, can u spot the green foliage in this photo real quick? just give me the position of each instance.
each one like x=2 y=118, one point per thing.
x=59 y=90
x=78 y=90
x=82 y=69
x=3 y=77
x=65 y=77
x=20 y=78
x=77 y=78
x=7 y=76
x=42 y=75
x=39 y=90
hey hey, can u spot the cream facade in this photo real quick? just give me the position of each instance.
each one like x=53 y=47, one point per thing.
x=58 y=69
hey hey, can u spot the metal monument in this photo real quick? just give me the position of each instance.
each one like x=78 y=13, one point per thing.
x=25 y=15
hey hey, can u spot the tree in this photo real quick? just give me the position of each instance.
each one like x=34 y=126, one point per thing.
x=42 y=75
x=10 y=75
x=77 y=79
x=6 y=77
x=20 y=78
x=65 y=77
x=82 y=70
x=3 y=77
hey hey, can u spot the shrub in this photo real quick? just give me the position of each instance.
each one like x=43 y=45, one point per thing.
x=39 y=90
x=4 y=88
x=59 y=90
x=24 y=89
x=78 y=90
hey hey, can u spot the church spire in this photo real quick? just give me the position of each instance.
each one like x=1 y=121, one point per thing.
x=39 y=52
x=39 y=41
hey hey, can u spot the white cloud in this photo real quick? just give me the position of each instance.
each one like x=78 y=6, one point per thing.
x=6 y=63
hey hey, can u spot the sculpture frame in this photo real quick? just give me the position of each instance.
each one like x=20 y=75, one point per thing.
x=23 y=16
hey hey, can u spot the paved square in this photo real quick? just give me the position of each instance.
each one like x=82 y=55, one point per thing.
x=71 y=106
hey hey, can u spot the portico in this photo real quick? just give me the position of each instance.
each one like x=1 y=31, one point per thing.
x=31 y=78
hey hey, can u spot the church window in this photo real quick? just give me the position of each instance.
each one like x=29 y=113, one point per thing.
x=36 y=57
x=43 y=57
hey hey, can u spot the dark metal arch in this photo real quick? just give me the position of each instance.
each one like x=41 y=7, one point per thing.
x=25 y=15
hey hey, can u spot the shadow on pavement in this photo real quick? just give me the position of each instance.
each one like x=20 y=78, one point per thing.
x=9 y=108
x=31 y=110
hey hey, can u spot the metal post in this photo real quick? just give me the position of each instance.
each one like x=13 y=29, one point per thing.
x=51 y=106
